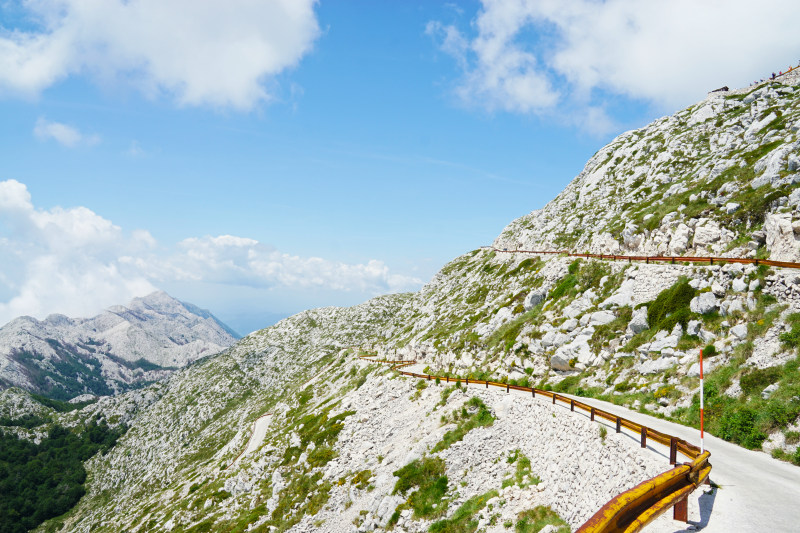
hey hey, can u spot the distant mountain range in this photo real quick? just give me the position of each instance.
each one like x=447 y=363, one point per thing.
x=119 y=349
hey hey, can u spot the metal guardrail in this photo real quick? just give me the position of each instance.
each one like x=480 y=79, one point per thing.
x=660 y=258
x=634 y=508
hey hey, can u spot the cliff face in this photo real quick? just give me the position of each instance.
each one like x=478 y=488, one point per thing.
x=123 y=346
x=338 y=432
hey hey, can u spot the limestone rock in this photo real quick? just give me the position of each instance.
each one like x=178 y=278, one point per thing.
x=780 y=238
x=704 y=303
x=638 y=321
x=534 y=298
x=739 y=331
x=557 y=362
x=601 y=317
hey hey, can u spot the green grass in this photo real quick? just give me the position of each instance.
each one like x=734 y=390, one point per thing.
x=671 y=306
x=533 y=520
x=427 y=475
x=361 y=479
x=748 y=420
x=467 y=421
x=614 y=329
x=522 y=476
x=463 y=520
x=792 y=337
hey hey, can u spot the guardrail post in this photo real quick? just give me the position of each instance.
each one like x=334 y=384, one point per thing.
x=507 y=386
x=619 y=424
x=466 y=384
x=756 y=262
x=644 y=437
x=429 y=377
x=710 y=260
x=591 y=416
x=681 y=510
x=572 y=405
x=673 y=450
x=533 y=392
x=487 y=383
x=647 y=260
x=554 y=398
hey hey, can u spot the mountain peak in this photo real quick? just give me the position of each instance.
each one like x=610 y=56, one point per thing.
x=114 y=351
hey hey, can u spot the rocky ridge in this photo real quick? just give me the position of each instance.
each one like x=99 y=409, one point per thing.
x=119 y=348
x=717 y=177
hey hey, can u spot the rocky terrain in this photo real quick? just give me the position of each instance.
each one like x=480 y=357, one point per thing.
x=122 y=347
x=349 y=446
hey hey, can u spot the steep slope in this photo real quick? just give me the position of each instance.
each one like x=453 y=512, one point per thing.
x=122 y=347
x=339 y=431
x=714 y=178
x=348 y=444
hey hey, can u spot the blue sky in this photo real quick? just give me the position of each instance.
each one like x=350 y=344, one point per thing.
x=273 y=156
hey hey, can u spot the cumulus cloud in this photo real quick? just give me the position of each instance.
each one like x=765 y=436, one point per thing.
x=76 y=262
x=63 y=134
x=535 y=56
x=202 y=53
x=61 y=260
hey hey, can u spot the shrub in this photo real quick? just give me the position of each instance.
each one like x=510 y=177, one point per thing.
x=479 y=418
x=739 y=425
x=568 y=384
x=759 y=379
x=671 y=306
x=710 y=351
x=792 y=338
x=428 y=475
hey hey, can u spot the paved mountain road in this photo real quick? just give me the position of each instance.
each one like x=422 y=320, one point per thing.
x=757 y=493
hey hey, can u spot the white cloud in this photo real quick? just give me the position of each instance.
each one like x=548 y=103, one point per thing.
x=536 y=56
x=76 y=262
x=63 y=134
x=200 y=52
x=61 y=260
x=240 y=261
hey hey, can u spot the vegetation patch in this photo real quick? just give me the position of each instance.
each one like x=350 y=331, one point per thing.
x=473 y=414
x=534 y=520
x=40 y=481
x=427 y=476
x=748 y=420
x=522 y=476
x=614 y=329
x=27 y=421
x=671 y=306
x=463 y=520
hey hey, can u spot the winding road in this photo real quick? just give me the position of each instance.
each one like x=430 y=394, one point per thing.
x=756 y=492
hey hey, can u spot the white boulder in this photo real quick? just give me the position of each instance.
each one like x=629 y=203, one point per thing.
x=638 y=321
x=781 y=241
x=704 y=303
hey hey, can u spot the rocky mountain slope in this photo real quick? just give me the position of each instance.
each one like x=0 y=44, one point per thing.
x=349 y=446
x=717 y=177
x=122 y=347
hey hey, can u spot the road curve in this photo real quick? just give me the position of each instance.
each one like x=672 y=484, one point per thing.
x=757 y=492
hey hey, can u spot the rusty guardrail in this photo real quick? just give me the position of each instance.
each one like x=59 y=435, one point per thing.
x=635 y=508
x=661 y=258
